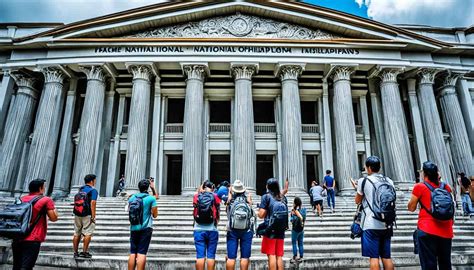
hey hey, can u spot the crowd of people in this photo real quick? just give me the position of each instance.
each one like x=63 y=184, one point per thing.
x=374 y=223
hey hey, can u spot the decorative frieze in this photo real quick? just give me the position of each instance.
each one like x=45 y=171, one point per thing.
x=236 y=26
x=195 y=72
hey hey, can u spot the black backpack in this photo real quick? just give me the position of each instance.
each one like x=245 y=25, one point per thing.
x=16 y=219
x=82 y=206
x=442 y=204
x=278 y=221
x=135 y=210
x=383 y=201
x=204 y=209
x=297 y=224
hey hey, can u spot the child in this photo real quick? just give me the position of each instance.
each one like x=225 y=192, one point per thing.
x=298 y=218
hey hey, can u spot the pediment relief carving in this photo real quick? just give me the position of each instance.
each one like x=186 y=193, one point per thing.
x=236 y=26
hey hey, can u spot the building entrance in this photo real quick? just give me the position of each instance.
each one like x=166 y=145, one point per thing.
x=311 y=170
x=264 y=171
x=174 y=171
x=219 y=169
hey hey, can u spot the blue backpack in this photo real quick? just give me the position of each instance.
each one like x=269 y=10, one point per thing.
x=442 y=204
x=278 y=221
x=135 y=210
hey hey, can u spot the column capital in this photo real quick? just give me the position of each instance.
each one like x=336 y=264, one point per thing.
x=427 y=75
x=195 y=71
x=389 y=75
x=141 y=72
x=289 y=71
x=448 y=83
x=243 y=71
x=96 y=73
x=53 y=75
x=342 y=73
x=25 y=84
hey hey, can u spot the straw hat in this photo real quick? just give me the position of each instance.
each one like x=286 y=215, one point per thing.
x=238 y=187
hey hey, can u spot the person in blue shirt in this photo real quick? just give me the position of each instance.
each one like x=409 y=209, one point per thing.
x=85 y=225
x=223 y=191
x=330 y=186
x=140 y=235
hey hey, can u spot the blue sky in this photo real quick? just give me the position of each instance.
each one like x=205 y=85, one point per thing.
x=446 y=13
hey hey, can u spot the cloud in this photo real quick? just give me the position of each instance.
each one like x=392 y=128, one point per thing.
x=445 y=13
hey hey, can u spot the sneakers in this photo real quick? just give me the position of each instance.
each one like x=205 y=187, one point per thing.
x=86 y=255
x=76 y=255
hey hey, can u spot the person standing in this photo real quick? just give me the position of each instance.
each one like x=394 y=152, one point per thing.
x=376 y=235
x=142 y=210
x=273 y=208
x=223 y=191
x=84 y=216
x=206 y=217
x=434 y=234
x=316 y=192
x=121 y=185
x=465 y=185
x=298 y=219
x=330 y=186
x=25 y=251
x=240 y=227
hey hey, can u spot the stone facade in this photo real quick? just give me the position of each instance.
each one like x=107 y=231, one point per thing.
x=237 y=96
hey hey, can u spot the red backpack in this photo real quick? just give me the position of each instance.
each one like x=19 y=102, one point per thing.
x=81 y=203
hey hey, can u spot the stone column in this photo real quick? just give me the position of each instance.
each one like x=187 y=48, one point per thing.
x=112 y=171
x=135 y=167
x=20 y=179
x=46 y=131
x=417 y=125
x=344 y=129
x=17 y=129
x=460 y=147
x=155 y=139
x=193 y=128
x=6 y=92
x=396 y=132
x=291 y=128
x=467 y=108
x=90 y=126
x=328 y=156
x=365 y=124
x=245 y=157
x=63 y=173
x=436 y=148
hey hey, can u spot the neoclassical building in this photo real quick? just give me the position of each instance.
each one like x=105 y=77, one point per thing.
x=187 y=91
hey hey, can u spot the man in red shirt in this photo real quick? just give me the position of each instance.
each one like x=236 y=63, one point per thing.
x=25 y=251
x=434 y=235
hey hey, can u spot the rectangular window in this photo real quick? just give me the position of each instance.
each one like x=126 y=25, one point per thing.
x=220 y=112
x=175 y=110
x=309 y=113
x=263 y=111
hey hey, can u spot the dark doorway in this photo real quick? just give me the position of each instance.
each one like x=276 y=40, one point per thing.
x=311 y=170
x=175 y=110
x=263 y=111
x=309 y=113
x=264 y=171
x=220 y=169
x=219 y=111
x=174 y=170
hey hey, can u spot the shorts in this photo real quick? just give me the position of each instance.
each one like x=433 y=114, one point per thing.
x=83 y=226
x=140 y=241
x=206 y=244
x=376 y=243
x=233 y=239
x=273 y=246
x=318 y=202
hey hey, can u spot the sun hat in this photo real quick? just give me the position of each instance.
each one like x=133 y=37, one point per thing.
x=238 y=187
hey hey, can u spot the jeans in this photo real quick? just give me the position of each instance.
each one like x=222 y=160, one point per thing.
x=245 y=239
x=331 y=197
x=297 y=238
x=467 y=204
x=434 y=251
x=206 y=244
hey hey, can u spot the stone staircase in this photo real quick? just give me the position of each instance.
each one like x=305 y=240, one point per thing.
x=327 y=242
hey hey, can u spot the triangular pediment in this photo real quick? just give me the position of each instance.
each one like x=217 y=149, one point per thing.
x=236 y=26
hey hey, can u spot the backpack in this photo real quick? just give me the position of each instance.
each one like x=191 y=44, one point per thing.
x=241 y=214
x=384 y=201
x=278 y=221
x=204 y=208
x=16 y=219
x=442 y=204
x=297 y=223
x=135 y=210
x=82 y=206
